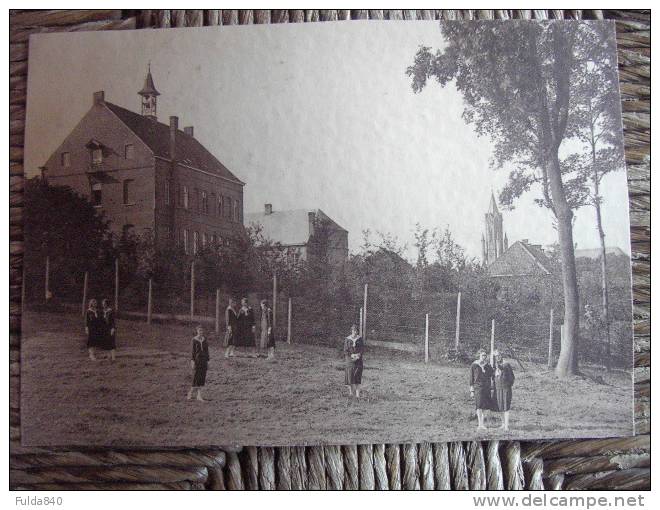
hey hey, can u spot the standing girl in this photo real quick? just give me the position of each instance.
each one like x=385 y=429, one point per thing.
x=109 y=331
x=503 y=379
x=481 y=378
x=199 y=362
x=353 y=350
x=93 y=328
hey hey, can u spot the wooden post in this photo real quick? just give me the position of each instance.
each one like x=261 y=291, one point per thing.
x=426 y=340
x=274 y=301
x=550 y=339
x=364 y=313
x=288 y=324
x=149 y=301
x=84 y=301
x=116 y=285
x=458 y=322
x=361 y=320
x=217 y=310
x=492 y=343
x=192 y=291
x=47 y=281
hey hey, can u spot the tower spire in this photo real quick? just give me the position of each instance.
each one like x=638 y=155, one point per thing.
x=149 y=95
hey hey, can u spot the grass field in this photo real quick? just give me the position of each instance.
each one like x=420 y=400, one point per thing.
x=299 y=398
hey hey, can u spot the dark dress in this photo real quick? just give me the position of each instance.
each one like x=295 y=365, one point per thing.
x=503 y=383
x=266 y=339
x=231 y=322
x=245 y=323
x=200 y=355
x=108 y=339
x=95 y=328
x=353 y=368
x=481 y=379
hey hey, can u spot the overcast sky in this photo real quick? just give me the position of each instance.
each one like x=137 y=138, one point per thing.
x=314 y=115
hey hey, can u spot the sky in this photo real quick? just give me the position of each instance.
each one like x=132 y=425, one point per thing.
x=315 y=115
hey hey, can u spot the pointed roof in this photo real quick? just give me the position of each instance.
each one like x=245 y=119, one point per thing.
x=492 y=208
x=156 y=136
x=521 y=259
x=149 y=88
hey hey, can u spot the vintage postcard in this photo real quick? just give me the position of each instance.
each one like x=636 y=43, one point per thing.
x=327 y=233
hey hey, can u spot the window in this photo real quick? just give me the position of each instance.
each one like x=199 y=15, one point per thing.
x=185 y=197
x=97 y=156
x=213 y=203
x=195 y=243
x=221 y=205
x=236 y=211
x=129 y=151
x=128 y=184
x=185 y=240
x=205 y=203
x=228 y=211
x=97 y=194
x=65 y=159
x=204 y=240
x=168 y=187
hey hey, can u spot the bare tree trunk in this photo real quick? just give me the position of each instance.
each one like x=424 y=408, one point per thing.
x=567 y=364
x=603 y=270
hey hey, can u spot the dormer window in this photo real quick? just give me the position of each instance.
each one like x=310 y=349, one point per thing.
x=129 y=151
x=65 y=159
x=97 y=156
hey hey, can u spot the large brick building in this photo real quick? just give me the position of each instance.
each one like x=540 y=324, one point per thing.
x=148 y=176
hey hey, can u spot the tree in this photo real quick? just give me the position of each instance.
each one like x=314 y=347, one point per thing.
x=68 y=229
x=517 y=80
x=597 y=124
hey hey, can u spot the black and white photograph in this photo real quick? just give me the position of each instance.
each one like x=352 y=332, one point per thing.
x=326 y=234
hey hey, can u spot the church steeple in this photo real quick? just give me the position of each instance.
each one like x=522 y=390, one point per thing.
x=149 y=96
x=493 y=242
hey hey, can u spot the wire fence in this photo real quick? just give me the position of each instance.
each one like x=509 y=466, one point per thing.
x=432 y=328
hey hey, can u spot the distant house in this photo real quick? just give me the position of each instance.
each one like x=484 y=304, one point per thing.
x=294 y=230
x=146 y=175
x=594 y=253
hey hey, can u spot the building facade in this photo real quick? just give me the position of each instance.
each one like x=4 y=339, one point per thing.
x=147 y=176
x=294 y=230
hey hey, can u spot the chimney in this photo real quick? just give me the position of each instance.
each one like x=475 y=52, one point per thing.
x=268 y=209
x=189 y=130
x=99 y=97
x=174 y=126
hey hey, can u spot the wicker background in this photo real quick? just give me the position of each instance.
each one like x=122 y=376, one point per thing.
x=603 y=463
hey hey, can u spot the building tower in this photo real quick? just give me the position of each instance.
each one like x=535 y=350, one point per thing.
x=492 y=242
x=149 y=96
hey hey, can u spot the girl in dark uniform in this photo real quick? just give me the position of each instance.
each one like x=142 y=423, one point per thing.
x=109 y=331
x=199 y=362
x=353 y=350
x=93 y=328
x=503 y=378
x=481 y=378
x=266 y=334
x=245 y=324
x=231 y=323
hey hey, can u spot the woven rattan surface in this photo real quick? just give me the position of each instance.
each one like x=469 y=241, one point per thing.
x=581 y=464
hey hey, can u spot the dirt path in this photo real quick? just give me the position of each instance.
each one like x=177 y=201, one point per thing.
x=297 y=399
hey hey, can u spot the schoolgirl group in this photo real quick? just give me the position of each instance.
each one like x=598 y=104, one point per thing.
x=490 y=386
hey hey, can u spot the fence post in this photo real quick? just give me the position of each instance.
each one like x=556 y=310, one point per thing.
x=458 y=322
x=550 y=339
x=426 y=340
x=47 y=281
x=217 y=310
x=274 y=302
x=492 y=343
x=364 y=313
x=149 y=302
x=192 y=291
x=288 y=324
x=361 y=319
x=84 y=301
x=116 y=285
